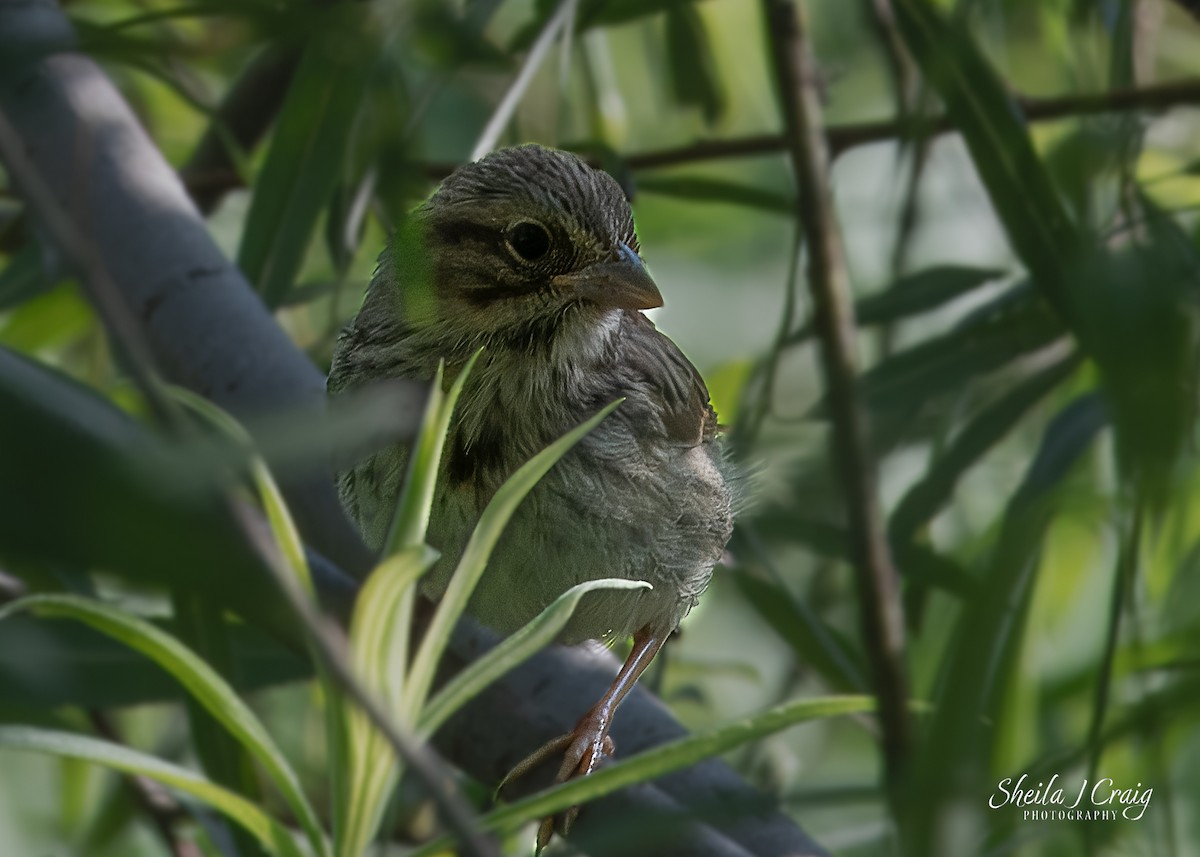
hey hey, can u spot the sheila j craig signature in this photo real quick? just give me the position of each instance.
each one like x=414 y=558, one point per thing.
x=1100 y=801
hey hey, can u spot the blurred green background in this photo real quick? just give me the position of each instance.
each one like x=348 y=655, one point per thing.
x=1037 y=458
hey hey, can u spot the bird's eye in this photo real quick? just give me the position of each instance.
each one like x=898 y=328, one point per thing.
x=529 y=241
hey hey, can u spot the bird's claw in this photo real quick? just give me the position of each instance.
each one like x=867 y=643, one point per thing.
x=583 y=751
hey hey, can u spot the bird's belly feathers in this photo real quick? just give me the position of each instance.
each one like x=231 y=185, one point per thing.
x=600 y=512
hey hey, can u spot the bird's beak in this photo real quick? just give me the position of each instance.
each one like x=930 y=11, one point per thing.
x=622 y=283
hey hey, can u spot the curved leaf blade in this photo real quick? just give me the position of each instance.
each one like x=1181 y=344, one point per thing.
x=202 y=682
x=272 y=835
x=475 y=556
x=659 y=761
x=513 y=651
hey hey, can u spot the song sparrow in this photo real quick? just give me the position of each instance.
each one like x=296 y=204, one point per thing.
x=531 y=253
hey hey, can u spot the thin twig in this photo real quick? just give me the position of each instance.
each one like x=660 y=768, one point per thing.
x=903 y=72
x=151 y=797
x=851 y=135
x=843 y=137
x=504 y=111
x=881 y=616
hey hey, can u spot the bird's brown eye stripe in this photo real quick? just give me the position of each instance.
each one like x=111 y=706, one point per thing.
x=455 y=232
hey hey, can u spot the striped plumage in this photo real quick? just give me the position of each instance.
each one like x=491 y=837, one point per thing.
x=644 y=496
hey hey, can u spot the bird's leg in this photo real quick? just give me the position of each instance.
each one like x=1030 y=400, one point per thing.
x=589 y=744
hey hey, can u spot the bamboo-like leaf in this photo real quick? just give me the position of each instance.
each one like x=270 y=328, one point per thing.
x=379 y=634
x=380 y=631
x=657 y=762
x=945 y=363
x=816 y=645
x=922 y=291
x=913 y=294
x=48 y=665
x=306 y=154
x=694 y=76
x=201 y=681
x=84 y=485
x=273 y=836
x=931 y=493
x=22 y=277
x=475 y=557
x=980 y=106
x=989 y=632
x=283 y=527
x=513 y=651
x=416 y=497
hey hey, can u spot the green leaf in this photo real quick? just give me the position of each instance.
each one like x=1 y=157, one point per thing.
x=273 y=836
x=283 y=528
x=593 y=13
x=911 y=295
x=983 y=110
x=46 y=320
x=928 y=496
x=946 y=363
x=381 y=628
x=223 y=759
x=201 y=681
x=379 y=634
x=475 y=556
x=82 y=484
x=307 y=152
x=1141 y=323
x=662 y=760
x=982 y=652
x=922 y=291
x=695 y=80
x=831 y=541
x=23 y=277
x=416 y=497
x=816 y=644
x=51 y=665
x=512 y=651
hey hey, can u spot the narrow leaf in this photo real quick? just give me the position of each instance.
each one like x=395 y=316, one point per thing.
x=306 y=154
x=201 y=681
x=513 y=651
x=273 y=836
x=416 y=497
x=928 y=496
x=984 y=111
x=659 y=761
x=475 y=556
x=990 y=631
x=49 y=665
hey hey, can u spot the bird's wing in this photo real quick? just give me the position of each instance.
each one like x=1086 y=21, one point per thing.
x=687 y=415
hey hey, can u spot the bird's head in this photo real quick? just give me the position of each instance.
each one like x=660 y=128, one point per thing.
x=512 y=245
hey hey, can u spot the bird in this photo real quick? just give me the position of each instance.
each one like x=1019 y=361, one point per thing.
x=531 y=255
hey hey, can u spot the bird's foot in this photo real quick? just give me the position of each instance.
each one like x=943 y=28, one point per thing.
x=583 y=750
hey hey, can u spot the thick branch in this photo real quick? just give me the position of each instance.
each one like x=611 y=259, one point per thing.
x=829 y=283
